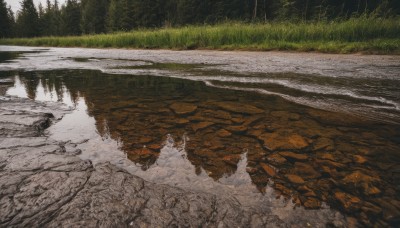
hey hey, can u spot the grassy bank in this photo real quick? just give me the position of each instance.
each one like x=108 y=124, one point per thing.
x=367 y=35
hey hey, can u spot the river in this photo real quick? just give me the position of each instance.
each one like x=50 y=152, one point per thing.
x=315 y=132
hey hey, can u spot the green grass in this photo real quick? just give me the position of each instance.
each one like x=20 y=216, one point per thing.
x=365 y=35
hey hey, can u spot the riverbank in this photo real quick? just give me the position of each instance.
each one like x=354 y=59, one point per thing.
x=361 y=35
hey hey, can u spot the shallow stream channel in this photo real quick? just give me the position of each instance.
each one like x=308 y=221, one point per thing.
x=309 y=137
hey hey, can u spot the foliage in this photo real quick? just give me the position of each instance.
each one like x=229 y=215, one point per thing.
x=100 y=16
x=28 y=20
x=6 y=20
x=366 y=34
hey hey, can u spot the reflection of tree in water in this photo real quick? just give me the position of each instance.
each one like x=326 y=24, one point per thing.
x=320 y=156
x=327 y=152
x=135 y=111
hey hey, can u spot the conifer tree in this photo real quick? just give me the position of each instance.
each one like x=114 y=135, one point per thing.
x=71 y=17
x=6 y=20
x=28 y=20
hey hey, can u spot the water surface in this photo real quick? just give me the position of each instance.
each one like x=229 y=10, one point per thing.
x=314 y=139
x=185 y=133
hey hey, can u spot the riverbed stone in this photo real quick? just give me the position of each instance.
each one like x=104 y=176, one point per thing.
x=362 y=182
x=305 y=170
x=276 y=159
x=293 y=156
x=359 y=159
x=348 y=202
x=324 y=143
x=183 y=108
x=201 y=125
x=237 y=129
x=271 y=171
x=223 y=133
x=283 y=141
x=312 y=203
x=41 y=185
x=238 y=107
x=295 y=179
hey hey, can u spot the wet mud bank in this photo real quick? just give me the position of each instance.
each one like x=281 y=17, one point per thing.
x=44 y=184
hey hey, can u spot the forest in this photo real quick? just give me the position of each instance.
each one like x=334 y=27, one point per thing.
x=107 y=16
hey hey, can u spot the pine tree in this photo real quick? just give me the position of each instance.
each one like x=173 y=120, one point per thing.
x=71 y=17
x=6 y=20
x=94 y=14
x=28 y=20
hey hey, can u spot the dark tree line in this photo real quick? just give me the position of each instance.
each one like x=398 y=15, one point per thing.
x=77 y=17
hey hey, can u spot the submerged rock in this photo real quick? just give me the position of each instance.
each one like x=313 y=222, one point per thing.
x=183 y=108
x=283 y=141
x=44 y=185
x=268 y=169
x=295 y=179
x=348 y=202
x=276 y=159
x=201 y=125
x=239 y=108
x=293 y=156
x=305 y=170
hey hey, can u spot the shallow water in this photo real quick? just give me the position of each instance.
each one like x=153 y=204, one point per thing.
x=249 y=136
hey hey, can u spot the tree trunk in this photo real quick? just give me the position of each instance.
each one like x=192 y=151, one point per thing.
x=255 y=9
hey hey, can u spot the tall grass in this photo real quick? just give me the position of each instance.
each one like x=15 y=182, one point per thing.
x=368 y=35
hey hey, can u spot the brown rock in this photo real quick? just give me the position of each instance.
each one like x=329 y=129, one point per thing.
x=214 y=144
x=286 y=115
x=140 y=153
x=359 y=159
x=276 y=159
x=283 y=141
x=283 y=189
x=329 y=163
x=330 y=171
x=239 y=107
x=293 y=156
x=182 y=121
x=231 y=159
x=295 y=179
x=363 y=182
x=145 y=139
x=305 y=170
x=238 y=120
x=183 y=108
x=390 y=208
x=312 y=203
x=348 y=202
x=326 y=156
x=206 y=153
x=223 y=133
x=253 y=119
x=294 y=116
x=306 y=191
x=371 y=209
x=268 y=169
x=155 y=147
x=218 y=114
x=201 y=125
x=324 y=143
x=199 y=118
x=251 y=170
x=237 y=129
